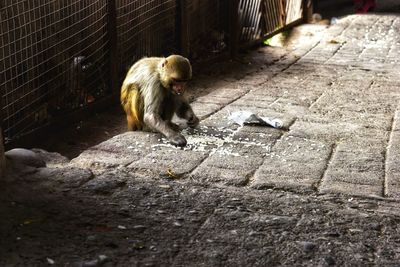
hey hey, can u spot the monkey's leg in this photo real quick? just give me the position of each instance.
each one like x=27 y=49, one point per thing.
x=185 y=111
x=174 y=126
x=131 y=123
x=130 y=100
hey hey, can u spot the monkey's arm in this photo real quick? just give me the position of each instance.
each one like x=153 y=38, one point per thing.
x=153 y=111
x=154 y=121
x=185 y=111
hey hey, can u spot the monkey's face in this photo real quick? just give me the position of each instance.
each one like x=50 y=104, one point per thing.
x=177 y=86
x=176 y=71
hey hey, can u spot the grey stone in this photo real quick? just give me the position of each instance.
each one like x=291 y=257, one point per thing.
x=307 y=246
x=119 y=151
x=21 y=156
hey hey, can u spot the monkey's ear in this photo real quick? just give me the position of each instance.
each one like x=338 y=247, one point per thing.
x=164 y=63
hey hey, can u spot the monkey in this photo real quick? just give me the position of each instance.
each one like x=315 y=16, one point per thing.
x=153 y=91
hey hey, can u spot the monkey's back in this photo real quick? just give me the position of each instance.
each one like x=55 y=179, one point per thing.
x=141 y=81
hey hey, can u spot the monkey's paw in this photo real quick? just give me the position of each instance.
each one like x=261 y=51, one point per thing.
x=193 y=121
x=178 y=140
x=174 y=126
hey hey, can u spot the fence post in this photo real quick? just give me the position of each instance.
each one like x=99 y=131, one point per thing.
x=183 y=27
x=234 y=27
x=112 y=45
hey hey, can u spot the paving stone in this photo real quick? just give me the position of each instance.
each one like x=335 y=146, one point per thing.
x=259 y=134
x=168 y=162
x=224 y=96
x=61 y=178
x=118 y=151
x=392 y=183
x=355 y=166
x=252 y=101
x=229 y=165
x=203 y=110
x=351 y=188
x=107 y=182
x=294 y=163
x=325 y=130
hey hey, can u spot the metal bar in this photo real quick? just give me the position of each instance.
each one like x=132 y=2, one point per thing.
x=183 y=27
x=307 y=10
x=234 y=27
x=112 y=45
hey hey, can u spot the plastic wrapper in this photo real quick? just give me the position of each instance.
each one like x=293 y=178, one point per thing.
x=250 y=118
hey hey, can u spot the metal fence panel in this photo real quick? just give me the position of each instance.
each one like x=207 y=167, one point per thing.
x=207 y=28
x=145 y=28
x=52 y=58
x=260 y=18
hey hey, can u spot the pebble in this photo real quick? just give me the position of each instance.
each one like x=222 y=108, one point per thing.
x=91 y=238
x=177 y=224
x=307 y=246
x=328 y=261
x=139 y=227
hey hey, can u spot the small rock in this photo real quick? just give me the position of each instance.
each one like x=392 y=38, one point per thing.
x=102 y=258
x=91 y=263
x=307 y=246
x=91 y=238
x=328 y=261
x=139 y=228
x=177 y=224
x=375 y=226
x=25 y=157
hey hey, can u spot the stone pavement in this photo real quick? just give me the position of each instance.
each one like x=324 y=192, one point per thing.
x=338 y=97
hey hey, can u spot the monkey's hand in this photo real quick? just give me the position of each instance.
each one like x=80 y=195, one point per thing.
x=193 y=121
x=174 y=126
x=178 y=140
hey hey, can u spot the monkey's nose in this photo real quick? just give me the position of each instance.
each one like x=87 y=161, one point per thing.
x=178 y=88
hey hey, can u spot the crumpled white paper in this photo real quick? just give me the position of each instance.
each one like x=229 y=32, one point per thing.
x=248 y=117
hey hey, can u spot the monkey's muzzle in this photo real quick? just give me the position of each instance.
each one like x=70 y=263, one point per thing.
x=179 y=87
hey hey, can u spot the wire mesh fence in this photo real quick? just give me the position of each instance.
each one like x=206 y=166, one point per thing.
x=207 y=28
x=60 y=56
x=145 y=28
x=52 y=59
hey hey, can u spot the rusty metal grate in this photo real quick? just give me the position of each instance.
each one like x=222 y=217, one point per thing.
x=52 y=58
x=259 y=18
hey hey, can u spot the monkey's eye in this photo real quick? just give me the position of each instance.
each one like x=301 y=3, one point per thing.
x=175 y=80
